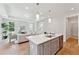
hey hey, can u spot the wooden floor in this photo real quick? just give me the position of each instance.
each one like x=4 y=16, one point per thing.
x=14 y=49
x=70 y=48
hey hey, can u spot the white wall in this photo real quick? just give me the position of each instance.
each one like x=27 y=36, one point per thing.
x=56 y=26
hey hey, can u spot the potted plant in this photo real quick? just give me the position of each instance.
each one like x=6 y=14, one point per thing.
x=4 y=35
x=7 y=27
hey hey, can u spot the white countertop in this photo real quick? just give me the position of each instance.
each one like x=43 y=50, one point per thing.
x=39 y=39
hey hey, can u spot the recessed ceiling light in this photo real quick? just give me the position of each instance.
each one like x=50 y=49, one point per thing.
x=72 y=8
x=26 y=8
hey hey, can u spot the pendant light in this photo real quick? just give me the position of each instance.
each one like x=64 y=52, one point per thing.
x=49 y=20
x=49 y=17
x=37 y=12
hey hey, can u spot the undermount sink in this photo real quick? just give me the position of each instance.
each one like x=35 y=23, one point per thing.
x=50 y=35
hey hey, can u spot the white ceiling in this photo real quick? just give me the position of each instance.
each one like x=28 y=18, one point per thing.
x=18 y=10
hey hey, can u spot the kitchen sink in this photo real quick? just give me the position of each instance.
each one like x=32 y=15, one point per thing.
x=50 y=35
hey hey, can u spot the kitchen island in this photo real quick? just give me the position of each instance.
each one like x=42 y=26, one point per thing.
x=43 y=45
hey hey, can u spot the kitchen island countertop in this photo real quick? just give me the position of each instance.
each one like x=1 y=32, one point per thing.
x=39 y=39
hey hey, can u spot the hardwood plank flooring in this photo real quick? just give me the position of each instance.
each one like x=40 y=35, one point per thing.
x=14 y=49
x=70 y=47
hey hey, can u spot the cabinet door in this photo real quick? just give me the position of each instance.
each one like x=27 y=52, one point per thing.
x=33 y=49
x=61 y=41
x=54 y=45
x=40 y=49
x=47 y=48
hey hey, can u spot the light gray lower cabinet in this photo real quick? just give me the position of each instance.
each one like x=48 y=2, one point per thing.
x=41 y=49
x=54 y=45
x=44 y=49
x=33 y=49
x=47 y=48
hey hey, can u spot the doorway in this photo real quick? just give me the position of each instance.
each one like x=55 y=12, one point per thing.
x=72 y=29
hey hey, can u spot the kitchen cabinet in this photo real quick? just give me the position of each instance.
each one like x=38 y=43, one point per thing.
x=61 y=41
x=21 y=38
x=48 y=47
x=54 y=45
x=41 y=49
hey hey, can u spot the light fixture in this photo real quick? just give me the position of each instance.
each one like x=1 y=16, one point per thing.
x=49 y=20
x=37 y=3
x=72 y=8
x=26 y=8
x=37 y=16
x=49 y=16
x=37 y=12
